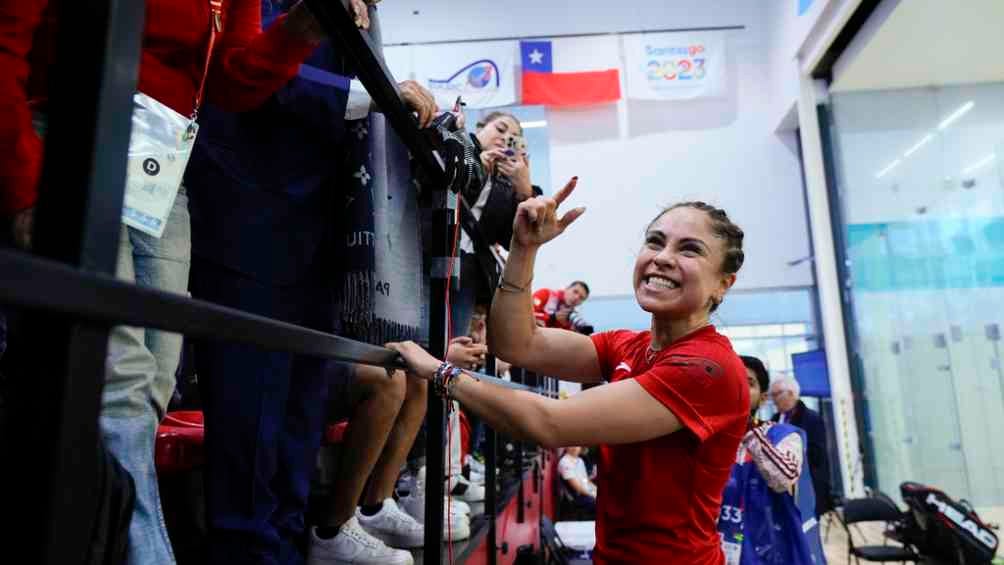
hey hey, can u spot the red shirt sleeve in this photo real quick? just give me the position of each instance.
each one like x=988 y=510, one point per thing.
x=697 y=390
x=20 y=146
x=249 y=65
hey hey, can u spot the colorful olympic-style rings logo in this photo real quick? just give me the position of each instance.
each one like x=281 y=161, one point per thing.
x=677 y=69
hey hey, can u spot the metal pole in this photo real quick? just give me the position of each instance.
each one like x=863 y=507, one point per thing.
x=443 y=224
x=491 y=480
x=58 y=374
x=520 y=376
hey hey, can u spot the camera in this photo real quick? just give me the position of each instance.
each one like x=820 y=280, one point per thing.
x=464 y=171
x=579 y=324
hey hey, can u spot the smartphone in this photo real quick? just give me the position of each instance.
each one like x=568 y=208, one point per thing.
x=516 y=145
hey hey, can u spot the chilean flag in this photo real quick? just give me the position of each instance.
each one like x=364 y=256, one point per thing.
x=570 y=72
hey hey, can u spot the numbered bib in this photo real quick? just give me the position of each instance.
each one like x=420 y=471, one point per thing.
x=159 y=148
x=732 y=552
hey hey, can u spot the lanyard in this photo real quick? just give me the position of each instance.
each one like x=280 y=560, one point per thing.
x=215 y=27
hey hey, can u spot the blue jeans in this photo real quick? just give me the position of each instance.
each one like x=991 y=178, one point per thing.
x=140 y=377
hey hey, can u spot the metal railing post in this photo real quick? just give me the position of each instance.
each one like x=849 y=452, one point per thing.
x=58 y=370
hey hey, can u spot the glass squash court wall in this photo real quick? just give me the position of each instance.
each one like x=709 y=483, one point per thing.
x=920 y=188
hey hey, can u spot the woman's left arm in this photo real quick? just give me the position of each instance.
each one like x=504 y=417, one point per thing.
x=621 y=412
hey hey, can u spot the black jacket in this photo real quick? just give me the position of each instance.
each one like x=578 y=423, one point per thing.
x=500 y=209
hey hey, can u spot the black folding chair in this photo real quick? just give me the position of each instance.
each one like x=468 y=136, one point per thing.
x=879 y=508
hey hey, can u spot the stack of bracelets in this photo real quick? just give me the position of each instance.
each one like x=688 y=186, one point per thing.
x=444 y=378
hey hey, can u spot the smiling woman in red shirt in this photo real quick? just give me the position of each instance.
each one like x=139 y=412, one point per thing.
x=674 y=407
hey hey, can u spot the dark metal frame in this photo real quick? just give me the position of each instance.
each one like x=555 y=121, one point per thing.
x=71 y=298
x=824 y=71
x=855 y=364
x=51 y=489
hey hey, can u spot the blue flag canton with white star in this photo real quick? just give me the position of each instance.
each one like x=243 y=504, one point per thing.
x=536 y=56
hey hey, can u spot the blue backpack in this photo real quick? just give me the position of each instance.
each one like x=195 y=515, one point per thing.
x=759 y=526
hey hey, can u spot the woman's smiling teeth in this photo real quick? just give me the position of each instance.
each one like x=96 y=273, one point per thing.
x=661 y=282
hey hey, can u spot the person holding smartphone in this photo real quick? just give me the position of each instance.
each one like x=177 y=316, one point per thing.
x=498 y=138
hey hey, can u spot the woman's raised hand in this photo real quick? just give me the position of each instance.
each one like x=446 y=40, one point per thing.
x=537 y=219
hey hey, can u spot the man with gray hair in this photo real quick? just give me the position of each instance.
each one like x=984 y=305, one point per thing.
x=785 y=393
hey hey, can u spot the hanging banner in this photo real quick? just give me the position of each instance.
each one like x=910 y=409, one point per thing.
x=484 y=74
x=675 y=66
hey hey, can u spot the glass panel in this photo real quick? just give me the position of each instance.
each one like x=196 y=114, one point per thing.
x=920 y=186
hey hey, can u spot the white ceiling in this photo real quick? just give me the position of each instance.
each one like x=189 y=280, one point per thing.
x=925 y=43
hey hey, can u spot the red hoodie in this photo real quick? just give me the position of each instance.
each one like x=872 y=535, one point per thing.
x=248 y=65
x=546 y=303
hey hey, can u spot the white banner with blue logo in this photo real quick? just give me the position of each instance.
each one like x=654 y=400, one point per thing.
x=675 y=66
x=483 y=74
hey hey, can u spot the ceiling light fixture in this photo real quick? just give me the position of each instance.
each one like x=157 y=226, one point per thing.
x=961 y=111
x=534 y=124
x=979 y=164
x=924 y=141
x=888 y=168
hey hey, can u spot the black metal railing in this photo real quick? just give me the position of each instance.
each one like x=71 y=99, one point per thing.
x=71 y=298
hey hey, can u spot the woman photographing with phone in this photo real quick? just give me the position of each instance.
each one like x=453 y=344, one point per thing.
x=675 y=404
x=498 y=139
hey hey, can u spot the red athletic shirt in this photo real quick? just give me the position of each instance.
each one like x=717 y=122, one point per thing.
x=248 y=66
x=659 y=499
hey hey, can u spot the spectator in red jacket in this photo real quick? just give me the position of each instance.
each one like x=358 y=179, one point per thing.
x=246 y=65
x=554 y=308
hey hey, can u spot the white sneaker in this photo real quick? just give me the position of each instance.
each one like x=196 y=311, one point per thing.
x=414 y=503
x=458 y=505
x=458 y=528
x=393 y=526
x=353 y=545
x=456 y=524
x=405 y=483
x=475 y=465
x=462 y=489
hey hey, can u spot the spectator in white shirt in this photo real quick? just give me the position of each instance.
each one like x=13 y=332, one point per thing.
x=572 y=469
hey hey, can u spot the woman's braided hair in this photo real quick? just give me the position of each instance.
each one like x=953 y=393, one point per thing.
x=723 y=228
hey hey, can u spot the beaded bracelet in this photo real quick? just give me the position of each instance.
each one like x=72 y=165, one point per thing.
x=443 y=377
